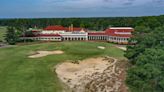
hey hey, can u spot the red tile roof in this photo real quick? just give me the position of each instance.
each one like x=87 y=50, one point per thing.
x=119 y=30
x=121 y=35
x=47 y=35
x=35 y=31
x=124 y=30
x=57 y=27
x=97 y=33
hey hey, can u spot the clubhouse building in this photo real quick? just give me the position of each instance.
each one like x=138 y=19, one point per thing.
x=119 y=35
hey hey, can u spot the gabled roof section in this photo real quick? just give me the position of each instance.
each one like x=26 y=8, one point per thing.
x=56 y=27
x=97 y=33
x=75 y=29
x=119 y=31
x=48 y=35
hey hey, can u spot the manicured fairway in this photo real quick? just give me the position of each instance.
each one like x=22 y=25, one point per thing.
x=18 y=73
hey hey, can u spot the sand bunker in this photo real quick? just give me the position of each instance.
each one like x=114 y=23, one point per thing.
x=101 y=47
x=45 y=53
x=122 y=47
x=91 y=75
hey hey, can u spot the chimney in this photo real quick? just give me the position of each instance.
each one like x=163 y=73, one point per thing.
x=71 y=27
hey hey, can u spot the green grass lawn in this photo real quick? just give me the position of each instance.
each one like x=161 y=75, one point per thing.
x=18 y=73
x=2 y=32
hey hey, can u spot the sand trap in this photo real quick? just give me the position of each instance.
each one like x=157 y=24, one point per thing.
x=39 y=54
x=122 y=48
x=101 y=47
x=81 y=77
x=89 y=66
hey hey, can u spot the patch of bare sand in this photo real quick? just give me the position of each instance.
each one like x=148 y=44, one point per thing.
x=91 y=75
x=121 y=47
x=101 y=47
x=39 y=54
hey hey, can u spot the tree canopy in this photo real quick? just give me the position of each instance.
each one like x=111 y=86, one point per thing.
x=90 y=23
x=147 y=59
x=11 y=36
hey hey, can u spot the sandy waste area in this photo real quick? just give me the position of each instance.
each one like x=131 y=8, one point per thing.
x=101 y=47
x=122 y=47
x=39 y=54
x=91 y=75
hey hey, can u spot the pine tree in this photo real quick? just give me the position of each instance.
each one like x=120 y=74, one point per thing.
x=11 y=36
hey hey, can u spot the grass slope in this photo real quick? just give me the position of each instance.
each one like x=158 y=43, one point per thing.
x=2 y=32
x=18 y=73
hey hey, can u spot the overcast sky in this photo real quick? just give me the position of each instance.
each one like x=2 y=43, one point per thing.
x=79 y=8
